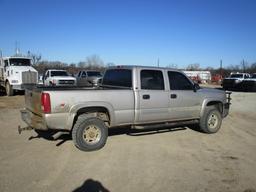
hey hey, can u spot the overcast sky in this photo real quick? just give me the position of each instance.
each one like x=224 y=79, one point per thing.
x=132 y=32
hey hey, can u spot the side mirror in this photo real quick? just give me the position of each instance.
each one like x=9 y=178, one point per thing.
x=196 y=87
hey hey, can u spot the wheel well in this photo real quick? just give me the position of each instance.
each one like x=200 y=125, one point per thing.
x=99 y=112
x=217 y=104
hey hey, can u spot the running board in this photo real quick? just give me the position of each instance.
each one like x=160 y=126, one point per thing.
x=166 y=124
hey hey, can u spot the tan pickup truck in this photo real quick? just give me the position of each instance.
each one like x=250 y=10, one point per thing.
x=128 y=95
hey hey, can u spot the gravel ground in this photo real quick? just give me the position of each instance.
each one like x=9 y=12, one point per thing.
x=180 y=159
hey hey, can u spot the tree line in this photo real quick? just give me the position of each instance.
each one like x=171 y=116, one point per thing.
x=94 y=62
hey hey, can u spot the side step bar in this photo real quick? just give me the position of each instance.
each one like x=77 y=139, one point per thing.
x=167 y=124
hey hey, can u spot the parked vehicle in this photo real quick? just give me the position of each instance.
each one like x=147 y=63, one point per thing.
x=16 y=73
x=250 y=83
x=234 y=81
x=56 y=77
x=129 y=95
x=88 y=78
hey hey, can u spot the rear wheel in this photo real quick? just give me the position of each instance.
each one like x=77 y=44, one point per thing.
x=89 y=134
x=9 y=89
x=211 y=120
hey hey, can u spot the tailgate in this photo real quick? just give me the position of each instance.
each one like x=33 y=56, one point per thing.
x=33 y=101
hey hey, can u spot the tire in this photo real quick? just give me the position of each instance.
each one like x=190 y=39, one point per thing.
x=211 y=120
x=89 y=133
x=9 y=90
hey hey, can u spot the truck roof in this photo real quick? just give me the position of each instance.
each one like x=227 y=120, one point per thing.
x=56 y=70
x=16 y=57
x=141 y=67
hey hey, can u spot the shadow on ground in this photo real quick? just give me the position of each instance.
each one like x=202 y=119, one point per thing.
x=91 y=185
x=66 y=136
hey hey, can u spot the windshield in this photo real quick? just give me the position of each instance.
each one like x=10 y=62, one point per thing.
x=59 y=73
x=94 y=73
x=19 y=62
x=237 y=75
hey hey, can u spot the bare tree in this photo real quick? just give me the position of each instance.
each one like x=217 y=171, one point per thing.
x=94 y=61
x=172 y=66
x=193 y=67
x=35 y=58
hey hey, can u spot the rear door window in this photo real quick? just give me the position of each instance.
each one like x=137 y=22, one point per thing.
x=118 y=77
x=152 y=80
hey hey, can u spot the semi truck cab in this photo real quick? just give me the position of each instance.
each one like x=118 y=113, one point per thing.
x=15 y=73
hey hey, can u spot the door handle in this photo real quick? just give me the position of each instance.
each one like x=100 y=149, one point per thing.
x=173 y=96
x=146 y=96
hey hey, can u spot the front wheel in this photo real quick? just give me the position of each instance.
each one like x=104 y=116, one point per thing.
x=211 y=121
x=9 y=89
x=89 y=134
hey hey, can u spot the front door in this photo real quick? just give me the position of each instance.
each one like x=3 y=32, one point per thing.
x=184 y=102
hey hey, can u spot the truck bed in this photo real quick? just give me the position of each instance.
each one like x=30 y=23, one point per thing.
x=66 y=101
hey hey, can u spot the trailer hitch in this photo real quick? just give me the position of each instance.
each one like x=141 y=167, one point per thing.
x=20 y=129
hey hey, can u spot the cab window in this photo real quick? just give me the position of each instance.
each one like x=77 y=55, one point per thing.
x=5 y=63
x=178 y=81
x=84 y=74
x=152 y=80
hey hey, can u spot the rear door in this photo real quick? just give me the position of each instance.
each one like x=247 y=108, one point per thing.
x=184 y=102
x=152 y=97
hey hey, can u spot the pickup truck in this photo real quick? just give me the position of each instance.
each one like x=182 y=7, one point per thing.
x=57 y=77
x=234 y=81
x=128 y=95
x=88 y=78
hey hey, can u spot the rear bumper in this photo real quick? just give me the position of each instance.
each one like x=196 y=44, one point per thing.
x=57 y=121
x=33 y=120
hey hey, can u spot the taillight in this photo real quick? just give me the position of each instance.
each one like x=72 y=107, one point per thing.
x=46 y=102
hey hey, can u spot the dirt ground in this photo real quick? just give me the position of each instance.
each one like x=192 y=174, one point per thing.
x=180 y=159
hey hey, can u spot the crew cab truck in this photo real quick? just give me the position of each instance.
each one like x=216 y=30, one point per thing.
x=129 y=95
x=16 y=73
x=234 y=81
x=57 y=77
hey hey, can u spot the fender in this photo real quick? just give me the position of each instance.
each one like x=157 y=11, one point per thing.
x=73 y=111
x=206 y=101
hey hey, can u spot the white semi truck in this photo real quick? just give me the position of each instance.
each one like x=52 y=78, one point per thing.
x=16 y=73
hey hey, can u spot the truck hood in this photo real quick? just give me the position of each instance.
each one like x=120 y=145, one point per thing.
x=95 y=78
x=22 y=68
x=64 y=78
x=250 y=79
x=234 y=78
x=213 y=93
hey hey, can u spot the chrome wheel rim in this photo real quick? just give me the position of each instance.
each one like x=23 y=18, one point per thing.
x=213 y=121
x=91 y=134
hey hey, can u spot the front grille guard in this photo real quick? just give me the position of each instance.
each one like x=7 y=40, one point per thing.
x=228 y=97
